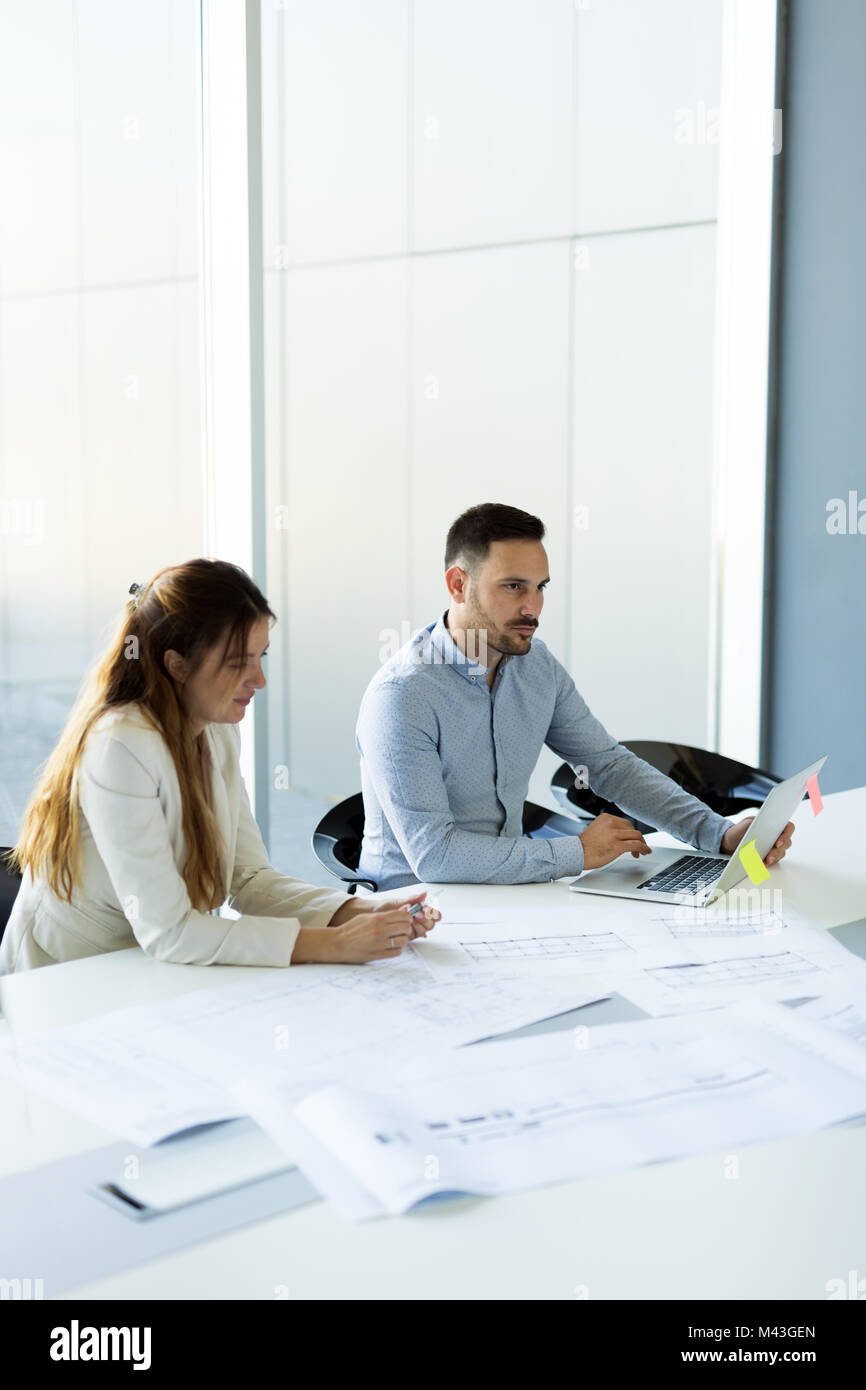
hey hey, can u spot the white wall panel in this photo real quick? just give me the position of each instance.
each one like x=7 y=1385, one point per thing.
x=139 y=126
x=345 y=523
x=648 y=85
x=142 y=453
x=43 y=556
x=642 y=471
x=39 y=213
x=344 y=101
x=491 y=129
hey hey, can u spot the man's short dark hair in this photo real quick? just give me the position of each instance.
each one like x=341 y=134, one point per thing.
x=473 y=533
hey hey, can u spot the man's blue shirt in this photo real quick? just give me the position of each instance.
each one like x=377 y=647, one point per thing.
x=446 y=763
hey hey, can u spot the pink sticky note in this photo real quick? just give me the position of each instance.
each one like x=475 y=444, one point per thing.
x=814 y=794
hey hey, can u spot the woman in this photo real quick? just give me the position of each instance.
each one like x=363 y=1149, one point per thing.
x=140 y=825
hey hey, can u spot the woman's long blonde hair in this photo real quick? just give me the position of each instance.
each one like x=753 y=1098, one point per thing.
x=185 y=608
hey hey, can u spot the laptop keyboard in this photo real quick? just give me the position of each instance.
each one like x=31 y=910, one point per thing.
x=686 y=875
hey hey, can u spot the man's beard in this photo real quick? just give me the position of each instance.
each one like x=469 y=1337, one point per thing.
x=499 y=639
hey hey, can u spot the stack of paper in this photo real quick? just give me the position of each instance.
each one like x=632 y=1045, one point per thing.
x=157 y=1069
x=524 y=1113
x=363 y=1077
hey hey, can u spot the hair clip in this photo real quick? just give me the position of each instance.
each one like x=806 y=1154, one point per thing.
x=136 y=590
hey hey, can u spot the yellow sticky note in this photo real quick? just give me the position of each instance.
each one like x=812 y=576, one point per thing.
x=753 y=863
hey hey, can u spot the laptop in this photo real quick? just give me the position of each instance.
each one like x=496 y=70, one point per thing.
x=677 y=876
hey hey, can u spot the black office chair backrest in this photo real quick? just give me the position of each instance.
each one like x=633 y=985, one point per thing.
x=337 y=838
x=337 y=841
x=10 y=882
x=723 y=784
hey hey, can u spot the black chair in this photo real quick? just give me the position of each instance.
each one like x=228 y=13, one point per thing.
x=724 y=785
x=10 y=882
x=337 y=841
x=337 y=838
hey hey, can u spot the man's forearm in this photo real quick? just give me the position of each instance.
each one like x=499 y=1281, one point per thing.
x=459 y=856
x=641 y=791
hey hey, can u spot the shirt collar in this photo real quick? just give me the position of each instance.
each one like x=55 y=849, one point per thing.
x=444 y=644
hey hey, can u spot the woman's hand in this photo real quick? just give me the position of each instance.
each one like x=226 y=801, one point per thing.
x=374 y=933
x=420 y=924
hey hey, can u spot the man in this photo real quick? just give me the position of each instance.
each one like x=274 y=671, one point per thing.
x=451 y=727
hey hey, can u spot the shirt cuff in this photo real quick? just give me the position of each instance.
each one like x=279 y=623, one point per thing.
x=567 y=855
x=715 y=832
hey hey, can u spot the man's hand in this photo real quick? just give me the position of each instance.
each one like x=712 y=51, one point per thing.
x=607 y=837
x=733 y=837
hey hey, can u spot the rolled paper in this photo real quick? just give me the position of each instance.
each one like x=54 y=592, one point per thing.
x=814 y=793
x=753 y=863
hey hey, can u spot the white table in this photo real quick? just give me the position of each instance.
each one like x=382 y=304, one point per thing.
x=793 y=1219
